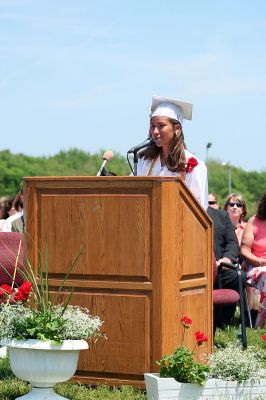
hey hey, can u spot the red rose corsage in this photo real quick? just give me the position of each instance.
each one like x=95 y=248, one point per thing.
x=191 y=163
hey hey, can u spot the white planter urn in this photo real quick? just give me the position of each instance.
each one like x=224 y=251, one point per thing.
x=214 y=389
x=44 y=364
x=3 y=352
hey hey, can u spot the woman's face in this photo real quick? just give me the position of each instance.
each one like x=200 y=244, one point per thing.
x=162 y=131
x=235 y=208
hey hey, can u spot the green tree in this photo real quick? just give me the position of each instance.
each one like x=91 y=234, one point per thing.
x=74 y=162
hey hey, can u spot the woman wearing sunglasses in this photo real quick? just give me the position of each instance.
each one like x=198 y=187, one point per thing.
x=236 y=207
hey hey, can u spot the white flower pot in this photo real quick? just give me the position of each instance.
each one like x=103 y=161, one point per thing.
x=44 y=364
x=2 y=352
x=214 y=389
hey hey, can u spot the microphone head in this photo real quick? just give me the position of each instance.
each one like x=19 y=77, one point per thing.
x=108 y=155
x=152 y=141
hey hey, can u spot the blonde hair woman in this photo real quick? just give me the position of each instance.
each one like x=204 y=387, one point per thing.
x=236 y=207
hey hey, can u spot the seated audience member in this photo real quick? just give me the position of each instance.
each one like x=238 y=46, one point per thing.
x=236 y=207
x=9 y=225
x=253 y=250
x=5 y=209
x=213 y=201
x=18 y=224
x=226 y=249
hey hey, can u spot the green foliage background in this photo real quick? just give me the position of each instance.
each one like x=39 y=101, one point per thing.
x=75 y=162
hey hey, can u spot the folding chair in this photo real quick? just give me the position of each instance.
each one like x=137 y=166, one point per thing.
x=222 y=297
x=11 y=255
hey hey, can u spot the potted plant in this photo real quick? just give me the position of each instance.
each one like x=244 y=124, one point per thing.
x=43 y=335
x=230 y=373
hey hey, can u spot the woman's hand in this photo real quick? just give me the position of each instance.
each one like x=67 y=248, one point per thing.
x=261 y=262
x=224 y=259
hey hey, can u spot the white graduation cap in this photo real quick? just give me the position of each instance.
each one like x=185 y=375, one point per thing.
x=175 y=109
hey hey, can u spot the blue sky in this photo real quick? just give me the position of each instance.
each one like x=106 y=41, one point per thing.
x=82 y=73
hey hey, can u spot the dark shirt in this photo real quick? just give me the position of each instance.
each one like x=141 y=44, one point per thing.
x=225 y=240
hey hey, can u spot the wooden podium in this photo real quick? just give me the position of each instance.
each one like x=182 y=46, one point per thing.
x=146 y=263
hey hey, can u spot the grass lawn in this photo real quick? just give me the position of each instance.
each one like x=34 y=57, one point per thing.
x=11 y=388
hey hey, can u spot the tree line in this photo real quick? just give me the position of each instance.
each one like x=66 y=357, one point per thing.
x=75 y=162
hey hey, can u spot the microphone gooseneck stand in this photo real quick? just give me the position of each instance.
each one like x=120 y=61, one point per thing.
x=135 y=151
x=135 y=160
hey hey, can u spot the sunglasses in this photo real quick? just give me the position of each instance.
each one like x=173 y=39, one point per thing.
x=212 y=202
x=239 y=205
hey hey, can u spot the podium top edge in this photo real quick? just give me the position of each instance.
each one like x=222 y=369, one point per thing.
x=101 y=178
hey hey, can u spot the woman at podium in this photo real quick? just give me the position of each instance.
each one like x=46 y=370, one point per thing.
x=168 y=155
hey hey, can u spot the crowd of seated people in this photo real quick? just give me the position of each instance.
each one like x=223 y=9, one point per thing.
x=238 y=240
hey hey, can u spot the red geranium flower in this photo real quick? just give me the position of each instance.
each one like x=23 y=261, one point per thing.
x=6 y=288
x=200 y=337
x=186 y=321
x=264 y=338
x=25 y=287
x=23 y=292
x=191 y=163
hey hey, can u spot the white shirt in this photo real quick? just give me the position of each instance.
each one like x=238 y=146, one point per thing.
x=2 y=221
x=196 y=180
x=7 y=226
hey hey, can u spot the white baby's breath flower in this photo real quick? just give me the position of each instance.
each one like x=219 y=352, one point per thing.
x=10 y=317
x=79 y=323
x=235 y=364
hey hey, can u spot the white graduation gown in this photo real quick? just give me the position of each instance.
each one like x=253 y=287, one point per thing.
x=196 y=180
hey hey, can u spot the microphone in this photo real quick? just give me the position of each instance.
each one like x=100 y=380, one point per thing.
x=148 y=142
x=107 y=156
x=107 y=173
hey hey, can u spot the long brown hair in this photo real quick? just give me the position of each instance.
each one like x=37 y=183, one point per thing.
x=176 y=159
x=261 y=211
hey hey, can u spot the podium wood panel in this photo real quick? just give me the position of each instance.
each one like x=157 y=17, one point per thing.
x=146 y=263
x=106 y=224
